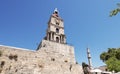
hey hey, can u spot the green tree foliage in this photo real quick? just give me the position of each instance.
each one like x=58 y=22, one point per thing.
x=112 y=59
x=103 y=56
x=113 y=64
x=115 y=11
x=118 y=54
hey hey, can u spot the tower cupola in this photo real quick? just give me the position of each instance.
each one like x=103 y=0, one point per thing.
x=55 y=13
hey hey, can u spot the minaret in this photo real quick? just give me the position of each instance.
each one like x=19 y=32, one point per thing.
x=55 y=31
x=89 y=58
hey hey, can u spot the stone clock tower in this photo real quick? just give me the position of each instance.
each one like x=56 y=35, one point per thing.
x=55 y=40
x=55 y=31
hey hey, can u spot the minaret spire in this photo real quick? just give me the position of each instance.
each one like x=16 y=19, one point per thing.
x=89 y=58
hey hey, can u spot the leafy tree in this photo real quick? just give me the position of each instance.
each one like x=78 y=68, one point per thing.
x=112 y=59
x=103 y=56
x=113 y=64
x=106 y=55
x=118 y=54
x=115 y=11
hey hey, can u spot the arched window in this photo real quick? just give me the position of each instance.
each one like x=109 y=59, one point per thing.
x=57 y=39
x=57 y=30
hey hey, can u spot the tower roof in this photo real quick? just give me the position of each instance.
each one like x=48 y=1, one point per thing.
x=56 y=11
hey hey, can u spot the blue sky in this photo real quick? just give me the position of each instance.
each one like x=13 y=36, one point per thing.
x=23 y=24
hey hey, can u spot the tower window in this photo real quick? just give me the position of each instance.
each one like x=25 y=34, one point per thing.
x=57 y=39
x=57 y=30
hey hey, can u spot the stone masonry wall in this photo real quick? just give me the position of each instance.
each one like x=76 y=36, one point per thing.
x=64 y=50
x=24 y=61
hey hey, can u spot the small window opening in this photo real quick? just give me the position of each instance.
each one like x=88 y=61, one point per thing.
x=57 y=39
x=57 y=30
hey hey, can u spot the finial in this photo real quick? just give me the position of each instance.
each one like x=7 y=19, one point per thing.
x=56 y=11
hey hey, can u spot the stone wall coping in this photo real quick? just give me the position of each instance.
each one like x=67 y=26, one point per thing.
x=16 y=48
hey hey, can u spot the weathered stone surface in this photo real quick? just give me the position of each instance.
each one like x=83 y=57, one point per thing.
x=46 y=60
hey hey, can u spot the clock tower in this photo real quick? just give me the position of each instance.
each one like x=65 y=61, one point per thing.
x=54 y=42
x=55 y=31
